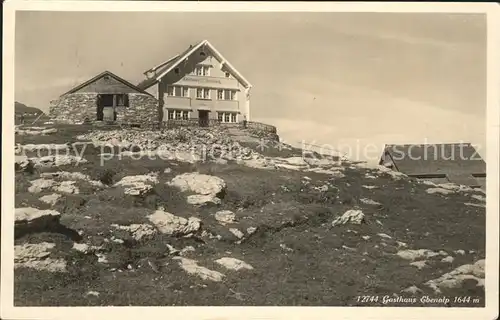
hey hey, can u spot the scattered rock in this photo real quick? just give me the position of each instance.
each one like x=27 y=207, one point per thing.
x=39 y=185
x=199 y=183
x=66 y=187
x=383 y=235
x=448 y=259
x=369 y=187
x=187 y=250
x=366 y=237
x=92 y=293
x=138 y=184
x=251 y=230
x=412 y=290
x=192 y=267
x=51 y=199
x=138 y=231
x=101 y=258
x=478 y=197
x=479 y=205
x=460 y=252
x=419 y=254
x=36 y=256
x=168 y=223
x=52 y=161
x=225 y=217
x=202 y=199
x=370 y=202
x=439 y=191
x=419 y=264
x=72 y=176
x=167 y=170
x=82 y=247
x=234 y=264
x=237 y=233
x=350 y=216
x=401 y=244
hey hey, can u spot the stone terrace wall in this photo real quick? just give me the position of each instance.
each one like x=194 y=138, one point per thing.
x=74 y=108
x=261 y=126
x=142 y=109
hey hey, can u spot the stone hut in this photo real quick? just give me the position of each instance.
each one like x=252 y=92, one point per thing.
x=107 y=98
x=458 y=163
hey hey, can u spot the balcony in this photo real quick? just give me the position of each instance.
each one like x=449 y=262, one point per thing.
x=208 y=82
x=207 y=104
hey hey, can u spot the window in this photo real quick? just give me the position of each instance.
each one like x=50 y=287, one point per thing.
x=177 y=91
x=227 y=117
x=171 y=91
x=202 y=70
x=229 y=95
x=203 y=93
x=228 y=75
x=121 y=100
x=178 y=115
x=226 y=94
x=176 y=70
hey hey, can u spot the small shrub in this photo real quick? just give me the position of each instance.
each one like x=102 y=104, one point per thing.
x=106 y=176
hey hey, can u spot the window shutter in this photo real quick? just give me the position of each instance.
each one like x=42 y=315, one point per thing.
x=125 y=100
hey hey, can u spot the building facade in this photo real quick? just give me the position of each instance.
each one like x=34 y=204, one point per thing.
x=199 y=86
x=107 y=98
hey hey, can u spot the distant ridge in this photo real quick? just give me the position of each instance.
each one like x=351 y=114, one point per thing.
x=22 y=108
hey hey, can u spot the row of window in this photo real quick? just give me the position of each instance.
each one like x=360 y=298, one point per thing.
x=203 y=71
x=201 y=93
x=225 y=117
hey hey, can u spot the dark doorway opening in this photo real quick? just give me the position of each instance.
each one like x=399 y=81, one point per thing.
x=107 y=103
x=203 y=118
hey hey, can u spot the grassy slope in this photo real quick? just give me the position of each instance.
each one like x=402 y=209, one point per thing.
x=316 y=270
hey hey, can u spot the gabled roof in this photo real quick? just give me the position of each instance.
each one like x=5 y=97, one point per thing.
x=101 y=75
x=165 y=67
x=427 y=159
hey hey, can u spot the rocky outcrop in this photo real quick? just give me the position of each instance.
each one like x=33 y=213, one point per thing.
x=456 y=278
x=192 y=267
x=36 y=256
x=139 y=231
x=233 y=264
x=350 y=216
x=34 y=220
x=139 y=184
x=170 y=224
x=209 y=189
x=48 y=161
x=225 y=217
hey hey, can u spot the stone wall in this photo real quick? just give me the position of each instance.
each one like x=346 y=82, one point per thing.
x=74 y=108
x=142 y=109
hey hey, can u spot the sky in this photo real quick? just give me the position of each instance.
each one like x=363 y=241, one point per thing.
x=347 y=81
